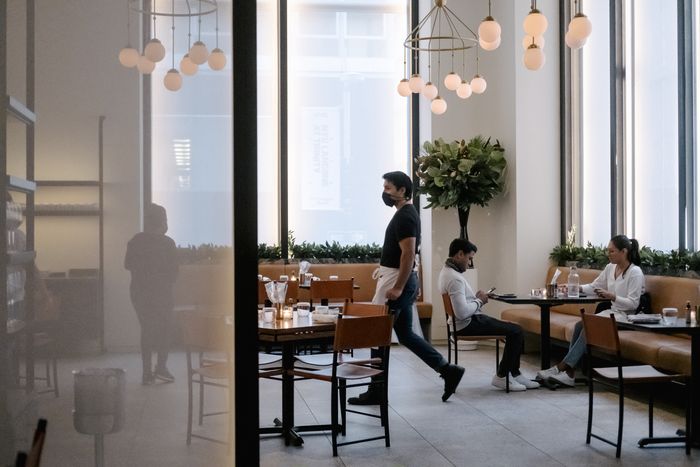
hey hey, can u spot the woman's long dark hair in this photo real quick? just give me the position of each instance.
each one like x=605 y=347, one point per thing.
x=632 y=245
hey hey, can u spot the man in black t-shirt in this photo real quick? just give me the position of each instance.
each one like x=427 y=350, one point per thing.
x=398 y=285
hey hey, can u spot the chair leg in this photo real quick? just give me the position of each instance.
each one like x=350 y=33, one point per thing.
x=688 y=434
x=498 y=354
x=201 y=400
x=590 y=409
x=334 y=416
x=189 y=408
x=384 y=407
x=456 y=347
x=651 y=412
x=343 y=406
x=449 y=346
x=620 y=420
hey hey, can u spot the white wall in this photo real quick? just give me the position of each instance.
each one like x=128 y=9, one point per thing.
x=520 y=108
x=78 y=78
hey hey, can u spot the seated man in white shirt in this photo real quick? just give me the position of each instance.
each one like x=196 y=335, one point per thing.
x=470 y=321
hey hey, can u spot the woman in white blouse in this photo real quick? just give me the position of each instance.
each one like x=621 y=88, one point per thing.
x=621 y=283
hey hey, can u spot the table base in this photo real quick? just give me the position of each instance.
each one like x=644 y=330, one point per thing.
x=291 y=436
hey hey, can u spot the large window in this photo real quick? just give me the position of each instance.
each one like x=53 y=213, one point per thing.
x=594 y=143
x=626 y=169
x=651 y=124
x=347 y=124
x=191 y=137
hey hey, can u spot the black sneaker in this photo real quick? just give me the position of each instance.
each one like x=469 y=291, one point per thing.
x=452 y=374
x=164 y=375
x=366 y=398
x=147 y=379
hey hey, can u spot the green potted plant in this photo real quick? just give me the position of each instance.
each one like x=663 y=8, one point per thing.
x=461 y=174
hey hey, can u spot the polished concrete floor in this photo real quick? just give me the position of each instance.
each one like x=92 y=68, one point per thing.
x=479 y=426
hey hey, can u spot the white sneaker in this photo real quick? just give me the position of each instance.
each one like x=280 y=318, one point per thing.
x=544 y=374
x=513 y=385
x=563 y=379
x=525 y=381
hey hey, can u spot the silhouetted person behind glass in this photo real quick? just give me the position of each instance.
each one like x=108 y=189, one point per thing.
x=151 y=256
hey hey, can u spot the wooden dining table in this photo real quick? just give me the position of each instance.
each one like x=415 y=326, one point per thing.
x=693 y=330
x=287 y=334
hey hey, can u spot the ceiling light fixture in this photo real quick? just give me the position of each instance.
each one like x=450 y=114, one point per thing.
x=440 y=32
x=154 y=51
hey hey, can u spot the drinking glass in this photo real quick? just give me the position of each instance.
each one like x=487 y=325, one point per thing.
x=670 y=315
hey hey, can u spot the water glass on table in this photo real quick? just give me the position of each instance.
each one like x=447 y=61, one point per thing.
x=303 y=309
x=670 y=316
x=268 y=313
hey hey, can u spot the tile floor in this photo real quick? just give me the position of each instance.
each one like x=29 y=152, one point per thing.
x=478 y=426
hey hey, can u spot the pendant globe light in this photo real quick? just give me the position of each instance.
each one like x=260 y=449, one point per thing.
x=187 y=66
x=217 y=58
x=579 y=28
x=128 y=56
x=173 y=79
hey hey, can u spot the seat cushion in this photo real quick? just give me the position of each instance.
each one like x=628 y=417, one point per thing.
x=675 y=356
x=527 y=317
x=641 y=346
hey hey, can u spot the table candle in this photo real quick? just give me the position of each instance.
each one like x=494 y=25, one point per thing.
x=287 y=313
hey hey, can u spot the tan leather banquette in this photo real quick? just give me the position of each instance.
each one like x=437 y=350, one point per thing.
x=667 y=352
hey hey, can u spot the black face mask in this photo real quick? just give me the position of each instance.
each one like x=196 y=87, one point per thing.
x=388 y=200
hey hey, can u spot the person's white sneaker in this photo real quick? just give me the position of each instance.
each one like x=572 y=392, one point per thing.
x=544 y=374
x=513 y=385
x=525 y=381
x=563 y=379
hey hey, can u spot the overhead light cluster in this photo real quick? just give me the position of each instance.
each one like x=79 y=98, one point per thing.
x=441 y=33
x=154 y=51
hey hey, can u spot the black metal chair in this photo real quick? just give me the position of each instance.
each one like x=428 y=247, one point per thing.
x=601 y=334
x=453 y=338
x=358 y=333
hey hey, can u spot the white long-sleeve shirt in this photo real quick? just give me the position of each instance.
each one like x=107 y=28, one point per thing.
x=627 y=287
x=464 y=301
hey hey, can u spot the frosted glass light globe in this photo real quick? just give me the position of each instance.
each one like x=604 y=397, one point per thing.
x=580 y=26
x=128 y=57
x=172 y=80
x=416 y=83
x=573 y=42
x=452 y=81
x=489 y=30
x=187 y=67
x=535 y=23
x=154 y=50
x=527 y=41
x=464 y=90
x=430 y=91
x=199 y=53
x=534 y=58
x=438 y=106
x=489 y=46
x=217 y=59
x=145 y=66
x=478 y=84
x=403 y=88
